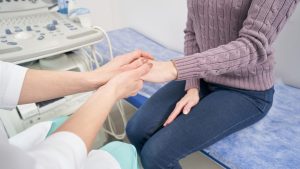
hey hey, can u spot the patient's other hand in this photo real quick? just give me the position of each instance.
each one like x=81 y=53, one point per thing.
x=161 y=72
x=185 y=105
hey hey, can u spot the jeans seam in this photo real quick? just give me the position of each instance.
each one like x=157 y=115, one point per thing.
x=266 y=105
x=214 y=137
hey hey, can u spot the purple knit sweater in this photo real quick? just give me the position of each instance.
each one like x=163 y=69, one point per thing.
x=229 y=42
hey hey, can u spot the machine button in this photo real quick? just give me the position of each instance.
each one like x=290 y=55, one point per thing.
x=41 y=37
x=3 y=41
x=2 y=37
x=68 y=25
x=28 y=28
x=51 y=27
x=10 y=50
x=18 y=30
x=12 y=43
x=8 y=31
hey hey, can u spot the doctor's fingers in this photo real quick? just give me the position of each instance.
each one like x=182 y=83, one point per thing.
x=139 y=86
x=135 y=64
x=147 y=55
x=137 y=73
x=131 y=57
x=143 y=54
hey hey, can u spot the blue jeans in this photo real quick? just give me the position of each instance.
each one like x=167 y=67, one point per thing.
x=221 y=111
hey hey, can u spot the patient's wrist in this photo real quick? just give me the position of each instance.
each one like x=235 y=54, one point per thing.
x=193 y=91
x=172 y=69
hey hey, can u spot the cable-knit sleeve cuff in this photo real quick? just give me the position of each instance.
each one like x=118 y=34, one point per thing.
x=192 y=83
x=186 y=68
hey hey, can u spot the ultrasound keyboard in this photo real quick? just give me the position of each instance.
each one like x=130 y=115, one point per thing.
x=38 y=33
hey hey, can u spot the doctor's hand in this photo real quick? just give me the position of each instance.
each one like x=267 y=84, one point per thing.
x=118 y=65
x=184 y=105
x=129 y=82
x=161 y=72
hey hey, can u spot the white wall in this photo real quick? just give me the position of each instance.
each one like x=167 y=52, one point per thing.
x=162 y=20
x=287 y=48
x=101 y=12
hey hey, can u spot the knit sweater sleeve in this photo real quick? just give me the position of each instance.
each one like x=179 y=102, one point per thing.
x=190 y=47
x=264 y=21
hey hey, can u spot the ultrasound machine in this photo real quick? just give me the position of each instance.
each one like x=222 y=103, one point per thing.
x=30 y=30
x=33 y=33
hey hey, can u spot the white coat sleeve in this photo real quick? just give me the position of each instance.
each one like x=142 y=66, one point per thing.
x=62 y=150
x=11 y=81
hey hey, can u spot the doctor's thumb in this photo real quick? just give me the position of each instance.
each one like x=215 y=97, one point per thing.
x=143 y=70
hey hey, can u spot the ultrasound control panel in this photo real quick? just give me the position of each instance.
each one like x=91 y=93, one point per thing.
x=22 y=5
x=38 y=32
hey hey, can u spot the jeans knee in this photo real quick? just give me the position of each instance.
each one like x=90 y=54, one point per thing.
x=131 y=130
x=149 y=157
x=154 y=157
x=135 y=133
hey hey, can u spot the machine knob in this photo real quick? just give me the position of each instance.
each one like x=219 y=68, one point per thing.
x=51 y=27
x=28 y=28
x=8 y=31
x=41 y=38
x=54 y=22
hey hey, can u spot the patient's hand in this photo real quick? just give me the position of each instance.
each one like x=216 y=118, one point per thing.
x=161 y=72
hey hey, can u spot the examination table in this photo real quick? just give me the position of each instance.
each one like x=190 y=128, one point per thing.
x=272 y=143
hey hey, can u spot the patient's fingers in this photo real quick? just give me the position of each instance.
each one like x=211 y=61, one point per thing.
x=175 y=113
x=187 y=108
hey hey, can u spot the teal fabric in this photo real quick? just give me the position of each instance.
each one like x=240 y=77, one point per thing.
x=124 y=153
x=56 y=123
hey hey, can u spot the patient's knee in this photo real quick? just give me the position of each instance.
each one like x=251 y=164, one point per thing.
x=153 y=157
x=132 y=129
x=135 y=132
